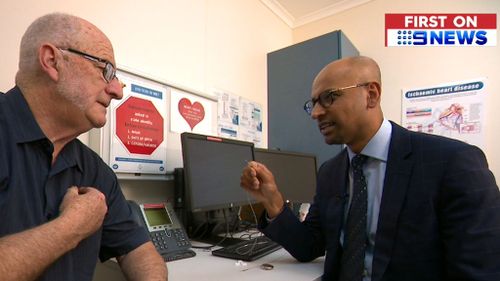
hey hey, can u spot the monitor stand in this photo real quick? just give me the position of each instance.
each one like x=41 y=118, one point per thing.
x=207 y=233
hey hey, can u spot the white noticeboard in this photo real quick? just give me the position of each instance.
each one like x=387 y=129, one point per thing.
x=138 y=126
x=454 y=110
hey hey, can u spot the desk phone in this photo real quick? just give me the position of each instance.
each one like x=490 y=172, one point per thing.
x=165 y=230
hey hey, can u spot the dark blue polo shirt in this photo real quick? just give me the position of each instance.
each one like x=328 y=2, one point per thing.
x=31 y=190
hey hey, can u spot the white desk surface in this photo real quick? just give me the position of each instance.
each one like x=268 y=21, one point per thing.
x=204 y=266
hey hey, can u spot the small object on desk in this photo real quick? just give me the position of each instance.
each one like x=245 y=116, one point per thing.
x=266 y=266
x=177 y=255
x=248 y=250
x=240 y=263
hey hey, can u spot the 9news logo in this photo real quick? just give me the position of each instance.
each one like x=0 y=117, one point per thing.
x=403 y=30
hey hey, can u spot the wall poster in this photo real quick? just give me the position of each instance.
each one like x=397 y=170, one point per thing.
x=454 y=110
x=228 y=119
x=138 y=122
x=238 y=118
x=190 y=113
x=251 y=122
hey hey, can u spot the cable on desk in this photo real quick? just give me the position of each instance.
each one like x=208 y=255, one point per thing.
x=206 y=224
x=254 y=243
x=226 y=235
x=249 y=247
x=249 y=234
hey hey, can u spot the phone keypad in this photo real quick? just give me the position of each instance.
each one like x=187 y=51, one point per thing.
x=160 y=238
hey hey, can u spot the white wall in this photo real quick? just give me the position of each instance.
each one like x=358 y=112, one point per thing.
x=198 y=44
x=415 y=67
x=202 y=44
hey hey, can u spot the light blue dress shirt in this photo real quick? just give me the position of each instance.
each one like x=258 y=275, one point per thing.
x=377 y=150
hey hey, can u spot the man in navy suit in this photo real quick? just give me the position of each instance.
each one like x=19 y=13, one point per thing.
x=433 y=206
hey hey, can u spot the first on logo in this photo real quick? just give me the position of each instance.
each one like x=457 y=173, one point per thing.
x=440 y=30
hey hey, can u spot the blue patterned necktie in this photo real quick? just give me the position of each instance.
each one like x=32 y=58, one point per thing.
x=355 y=237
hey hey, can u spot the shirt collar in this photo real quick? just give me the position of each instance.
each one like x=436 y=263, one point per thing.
x=29 y=130
x=378 y=146
x=68 y=157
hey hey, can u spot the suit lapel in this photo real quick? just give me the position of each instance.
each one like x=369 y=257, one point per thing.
x=397 y=176
x=335 y=192
x=340 y=191
x=340 y=187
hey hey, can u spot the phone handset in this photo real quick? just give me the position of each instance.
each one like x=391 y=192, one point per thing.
x=164 y=228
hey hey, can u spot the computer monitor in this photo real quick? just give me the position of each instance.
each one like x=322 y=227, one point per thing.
x=294 y=173
x=212 y=171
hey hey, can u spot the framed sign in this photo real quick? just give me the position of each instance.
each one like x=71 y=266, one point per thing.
x=138 y=142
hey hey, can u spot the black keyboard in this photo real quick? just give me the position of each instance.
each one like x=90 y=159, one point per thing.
x=177 y=255
x=248 y=250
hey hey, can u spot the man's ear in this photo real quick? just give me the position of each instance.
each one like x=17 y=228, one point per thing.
x=48 y=57
x=374 y=92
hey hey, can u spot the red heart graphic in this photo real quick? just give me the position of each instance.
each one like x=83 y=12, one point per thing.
x=192 y=113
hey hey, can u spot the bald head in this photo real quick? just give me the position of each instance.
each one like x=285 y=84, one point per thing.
x=349 y=71
x=61 y=30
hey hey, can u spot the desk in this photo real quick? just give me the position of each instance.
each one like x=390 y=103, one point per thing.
x=206 y=267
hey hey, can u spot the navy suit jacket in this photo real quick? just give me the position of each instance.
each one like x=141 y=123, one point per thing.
x=439 y=216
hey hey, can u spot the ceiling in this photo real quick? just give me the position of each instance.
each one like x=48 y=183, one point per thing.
x=299 y=12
